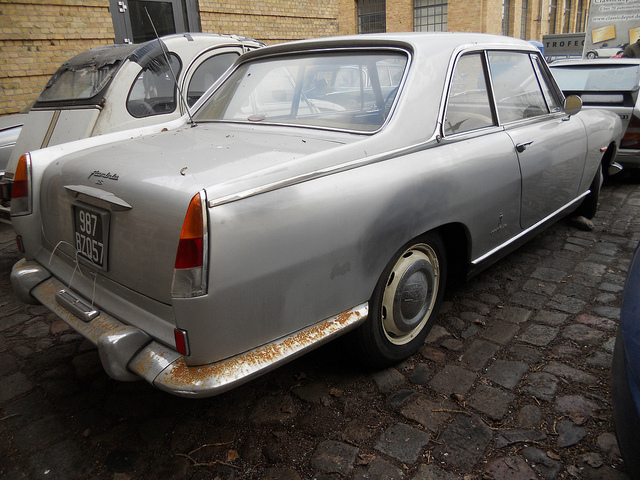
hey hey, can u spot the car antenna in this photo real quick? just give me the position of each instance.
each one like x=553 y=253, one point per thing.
x=173 y=74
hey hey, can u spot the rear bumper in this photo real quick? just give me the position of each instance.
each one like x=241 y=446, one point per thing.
x=128 y=353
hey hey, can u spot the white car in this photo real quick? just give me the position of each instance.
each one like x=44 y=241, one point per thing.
x=608 y=84
x=120 y=87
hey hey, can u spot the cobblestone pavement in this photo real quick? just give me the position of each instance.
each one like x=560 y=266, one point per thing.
x=513 y=383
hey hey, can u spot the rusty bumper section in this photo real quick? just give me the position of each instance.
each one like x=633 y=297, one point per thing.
x=128 y=353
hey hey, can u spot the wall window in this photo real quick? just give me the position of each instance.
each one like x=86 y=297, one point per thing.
x=552 y=16
x=567 y=16
x=580 y=17
x=372 y=17
x=524 y=34
x=506 y=18
x=430 y=15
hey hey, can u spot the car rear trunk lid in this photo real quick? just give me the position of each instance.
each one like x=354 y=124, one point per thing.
x=118 y=209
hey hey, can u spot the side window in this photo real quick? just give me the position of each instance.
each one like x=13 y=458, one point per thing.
x=554 y=101
x=207 y=73
x=154 y=91
x=516 y=86
x=468 y=106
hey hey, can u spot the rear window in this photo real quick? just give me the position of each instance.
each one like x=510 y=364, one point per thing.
x=347 y=91
x=601 y=78
x=78 y=82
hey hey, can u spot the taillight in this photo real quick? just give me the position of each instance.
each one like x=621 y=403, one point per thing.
x=190 y=270
x=21 y=188
x=631 y=137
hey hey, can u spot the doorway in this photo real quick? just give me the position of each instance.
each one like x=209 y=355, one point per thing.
x=137 y=21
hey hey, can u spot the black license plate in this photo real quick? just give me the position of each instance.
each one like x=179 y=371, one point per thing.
x=91 y=232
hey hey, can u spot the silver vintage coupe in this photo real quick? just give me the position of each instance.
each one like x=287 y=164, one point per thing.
x=324 y=187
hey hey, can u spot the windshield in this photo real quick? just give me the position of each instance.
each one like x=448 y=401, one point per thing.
x=602 y=78
x=344 y=91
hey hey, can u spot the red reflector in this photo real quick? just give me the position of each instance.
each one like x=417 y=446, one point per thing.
x=631 y=137
x=189 y=253
x=19 y=244
x=181 y=341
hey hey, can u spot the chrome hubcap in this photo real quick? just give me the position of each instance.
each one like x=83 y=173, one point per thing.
x=410 y=294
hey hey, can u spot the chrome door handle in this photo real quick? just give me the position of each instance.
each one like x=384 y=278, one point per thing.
x=521 y=147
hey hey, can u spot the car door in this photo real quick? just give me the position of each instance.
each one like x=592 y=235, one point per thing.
x=489 y=185
x=551 y=147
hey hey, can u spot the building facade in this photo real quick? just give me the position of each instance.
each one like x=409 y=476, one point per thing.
x=527 y=19
x=37 y=36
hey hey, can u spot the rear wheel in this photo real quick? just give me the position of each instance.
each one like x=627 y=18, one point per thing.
x=405 y=303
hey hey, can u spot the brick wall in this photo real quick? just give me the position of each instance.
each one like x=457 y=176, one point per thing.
x=464 y=16
x=399 y=15
x=36 y=36
x=348 y=15
x=271 y=21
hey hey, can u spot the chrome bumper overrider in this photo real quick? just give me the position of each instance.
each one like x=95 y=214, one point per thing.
x=128 y=353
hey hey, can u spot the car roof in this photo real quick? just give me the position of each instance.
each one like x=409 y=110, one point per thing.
x=422 y=41
x=108 y=54
x=209 y=39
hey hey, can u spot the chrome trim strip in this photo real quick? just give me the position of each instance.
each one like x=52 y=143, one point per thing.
x=361 y=162
x=52 y=126
x=116 y=203
x=528 y=230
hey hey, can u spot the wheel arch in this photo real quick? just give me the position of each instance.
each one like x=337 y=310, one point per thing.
x=609 y=158
x=457 y=242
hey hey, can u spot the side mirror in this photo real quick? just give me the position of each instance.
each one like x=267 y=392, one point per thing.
x=572 y=105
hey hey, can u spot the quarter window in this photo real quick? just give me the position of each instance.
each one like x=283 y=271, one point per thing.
x=554 y=100
x=468 y=106
x=207 y=73
x=154 y=91
x=517 y=91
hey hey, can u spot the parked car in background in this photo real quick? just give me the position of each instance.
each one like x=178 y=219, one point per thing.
x=120 y=87
x=607 y=84
x=10 y=126
x=555 y=58
x=625 y=372
x=200 y=257
x=605 y=51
